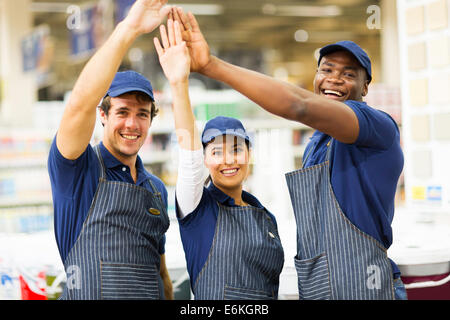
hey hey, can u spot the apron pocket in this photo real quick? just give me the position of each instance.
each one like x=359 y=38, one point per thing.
x=313 y=278
x=128 y=281
x=233 y=293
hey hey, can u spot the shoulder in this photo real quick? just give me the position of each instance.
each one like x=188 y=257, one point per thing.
x=206 y=207
x=66 y=174
x=159 y=184
x=377 y=129
x=363 y=109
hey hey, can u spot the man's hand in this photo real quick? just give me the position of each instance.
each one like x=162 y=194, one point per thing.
x=146 y=15
x=192 y=35
x=173 y=53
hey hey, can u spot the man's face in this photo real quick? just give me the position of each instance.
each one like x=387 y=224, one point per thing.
x=340 y=77
x=126 y=126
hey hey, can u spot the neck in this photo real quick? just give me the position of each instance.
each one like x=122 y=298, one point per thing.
x=235 y=193
x=127 y=160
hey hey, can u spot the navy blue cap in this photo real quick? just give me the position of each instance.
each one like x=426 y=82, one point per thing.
x=127 y=81
x=354 y=49
x=220 y=126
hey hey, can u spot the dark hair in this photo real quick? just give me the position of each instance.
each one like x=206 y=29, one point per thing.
x=140 y=97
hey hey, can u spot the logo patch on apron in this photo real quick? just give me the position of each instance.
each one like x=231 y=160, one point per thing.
x=154 y=211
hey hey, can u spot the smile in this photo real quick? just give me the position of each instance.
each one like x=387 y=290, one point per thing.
x=229 y=172
x=129 y=137
x=333 y=92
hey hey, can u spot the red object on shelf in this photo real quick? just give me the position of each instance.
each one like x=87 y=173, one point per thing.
x=441 y=292
x=30 y=290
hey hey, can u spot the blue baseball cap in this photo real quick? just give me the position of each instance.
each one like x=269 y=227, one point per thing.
x=220 y=126
x=354 y=49
x=127 y=81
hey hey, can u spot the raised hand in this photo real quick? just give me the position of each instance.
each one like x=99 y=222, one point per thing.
x=192 y=35
x=173 y=53
x=146 y=15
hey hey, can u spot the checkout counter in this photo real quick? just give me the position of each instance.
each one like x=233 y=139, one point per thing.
x=421 y=249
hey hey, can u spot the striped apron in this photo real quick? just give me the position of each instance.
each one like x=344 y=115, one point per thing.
x=335 y=259
x=116 y=254
x=246 y=257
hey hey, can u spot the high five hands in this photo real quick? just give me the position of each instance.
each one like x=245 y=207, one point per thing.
x=172 y=53
x=195 y=41
x=146 y=15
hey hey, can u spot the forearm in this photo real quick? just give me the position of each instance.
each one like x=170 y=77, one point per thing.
x=167 y=282
x=277 y=97
x=186 y=129
x=99 y=72
x=79 y=117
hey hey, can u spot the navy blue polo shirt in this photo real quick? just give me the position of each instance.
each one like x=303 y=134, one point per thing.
x=197 y=229
x=74 y=183
x=364 y=175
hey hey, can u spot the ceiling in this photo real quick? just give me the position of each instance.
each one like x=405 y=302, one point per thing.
x=260 y=30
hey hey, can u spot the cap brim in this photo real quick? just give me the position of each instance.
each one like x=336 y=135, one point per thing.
x=210 y=138
x=118 y=92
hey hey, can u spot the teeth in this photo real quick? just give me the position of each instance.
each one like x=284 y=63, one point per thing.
x=333 y=92
x=129 y=137
x=229 y=171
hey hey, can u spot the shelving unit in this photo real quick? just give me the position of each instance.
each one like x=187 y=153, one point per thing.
x=424 y=38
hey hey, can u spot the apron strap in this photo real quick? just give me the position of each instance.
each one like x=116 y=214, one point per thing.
x=100 y=158
x=152 y=185
x=327 y=157
x=103 y=171
x=329 y=146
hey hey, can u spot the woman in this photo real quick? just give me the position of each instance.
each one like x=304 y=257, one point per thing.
x=231 y=242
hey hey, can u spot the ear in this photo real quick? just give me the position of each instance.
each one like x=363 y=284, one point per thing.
x=103 y=116
x=365 y=88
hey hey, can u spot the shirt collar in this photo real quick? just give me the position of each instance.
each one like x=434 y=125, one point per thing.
x=225 y=199
x=112 y=162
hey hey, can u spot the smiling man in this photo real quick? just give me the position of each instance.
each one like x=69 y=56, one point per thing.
x=110 y=214
x=343 y=198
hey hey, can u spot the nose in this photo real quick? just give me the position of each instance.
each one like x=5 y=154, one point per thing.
x=231 y=157
x=131 y=122
x=335 y=77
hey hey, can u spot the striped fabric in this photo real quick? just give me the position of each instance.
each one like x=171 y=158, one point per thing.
x=246 y=257
x=116 y=255
x=335 y=260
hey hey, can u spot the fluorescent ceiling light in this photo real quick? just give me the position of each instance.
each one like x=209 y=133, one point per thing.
x=301 y=11
x=202 y=9
x=197 y=9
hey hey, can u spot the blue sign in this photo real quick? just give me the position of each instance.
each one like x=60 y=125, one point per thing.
x=32 y=47
x=82 y=36
x=434 y=193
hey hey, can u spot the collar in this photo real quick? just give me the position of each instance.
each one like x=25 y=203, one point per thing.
x=112 y=162
x=225 y=199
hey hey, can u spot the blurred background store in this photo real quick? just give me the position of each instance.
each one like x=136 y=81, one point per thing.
x=44 y=44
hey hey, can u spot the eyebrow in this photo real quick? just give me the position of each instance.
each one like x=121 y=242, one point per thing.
x=330 y=64
x=125 y=108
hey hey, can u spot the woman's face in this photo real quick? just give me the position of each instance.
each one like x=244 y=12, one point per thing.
x=227 y=159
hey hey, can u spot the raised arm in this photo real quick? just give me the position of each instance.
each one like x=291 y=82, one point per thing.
x=175 y=62
x=78 y=121
x=278 y=97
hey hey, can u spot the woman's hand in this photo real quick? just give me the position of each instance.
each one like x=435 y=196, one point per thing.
x=173 y=53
